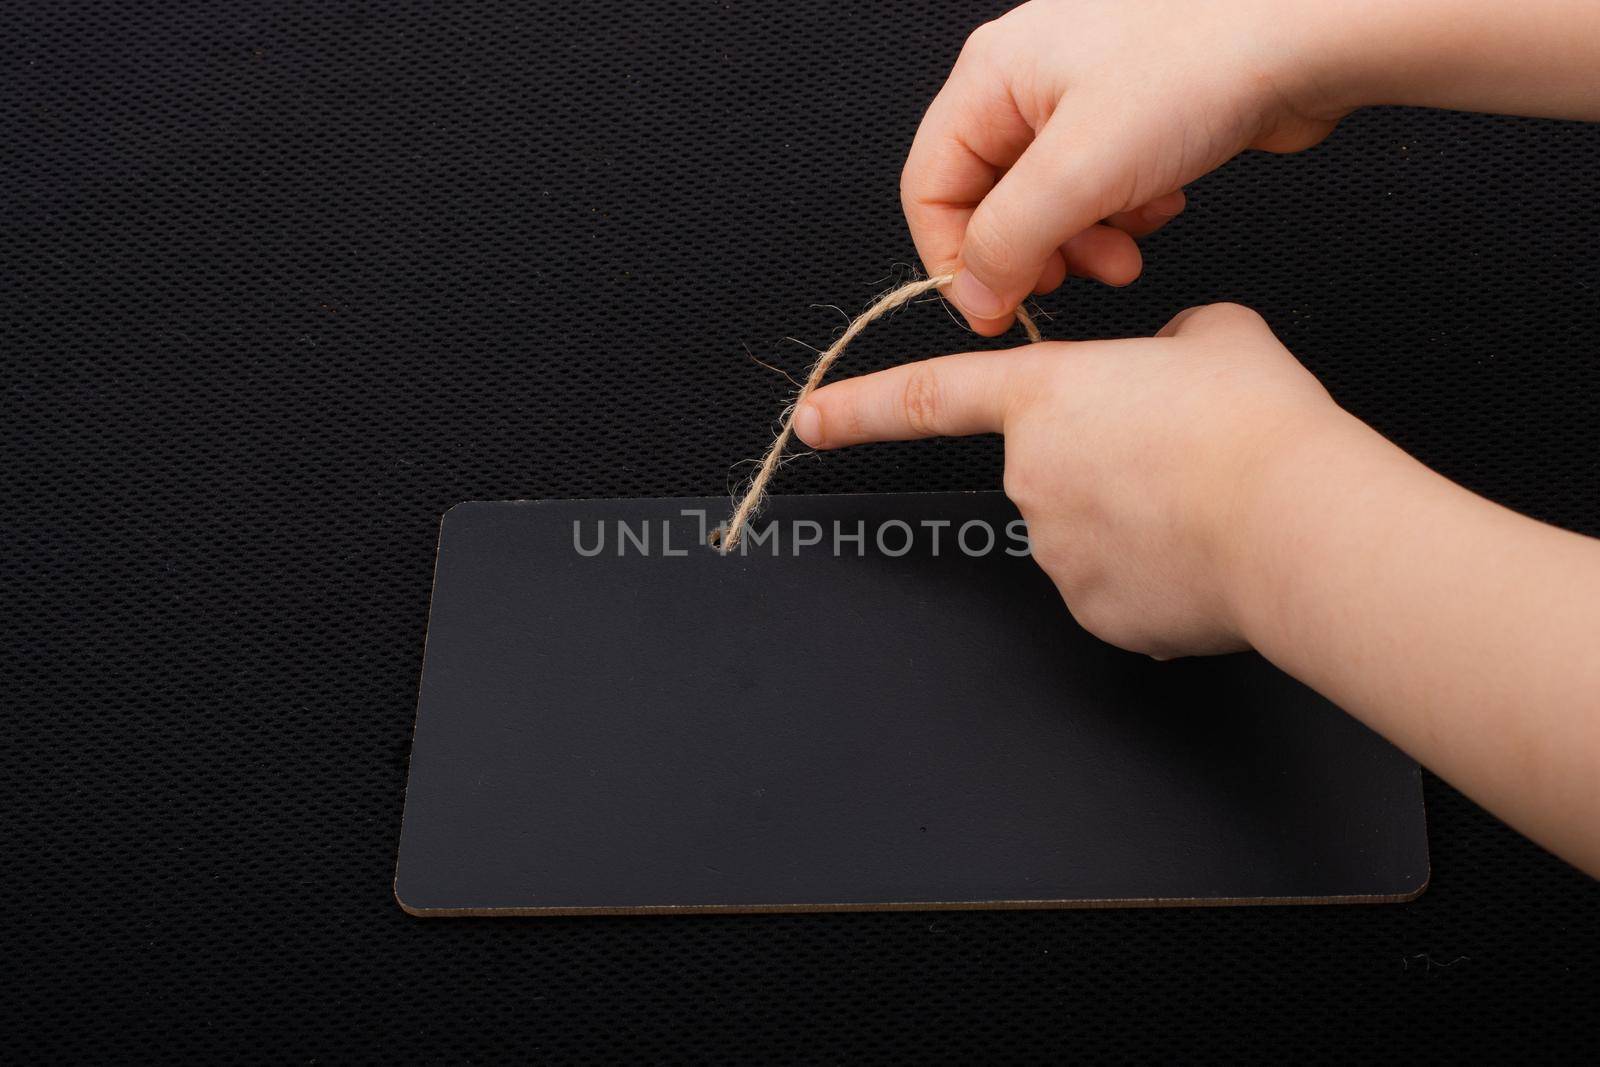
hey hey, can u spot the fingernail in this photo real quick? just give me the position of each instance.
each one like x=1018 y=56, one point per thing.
x=808 y=424
x=975 y=298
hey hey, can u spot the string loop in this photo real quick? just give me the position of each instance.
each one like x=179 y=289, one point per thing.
x=756 y=492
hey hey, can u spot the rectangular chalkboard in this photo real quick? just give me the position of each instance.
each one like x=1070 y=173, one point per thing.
x=881 y=702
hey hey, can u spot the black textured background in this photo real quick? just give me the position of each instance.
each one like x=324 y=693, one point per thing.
x=282 y=283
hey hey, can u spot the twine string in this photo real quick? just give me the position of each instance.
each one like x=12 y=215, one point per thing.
x=756 y=492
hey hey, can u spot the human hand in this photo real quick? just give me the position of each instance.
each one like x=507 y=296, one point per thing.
x=1064 y=113
x=1200 y=492
x=1134 y=461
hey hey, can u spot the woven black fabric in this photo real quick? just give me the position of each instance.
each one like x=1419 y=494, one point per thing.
x=282 y=283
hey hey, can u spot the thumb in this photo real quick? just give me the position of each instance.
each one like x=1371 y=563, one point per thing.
x=949 y=396
x=1079 y=169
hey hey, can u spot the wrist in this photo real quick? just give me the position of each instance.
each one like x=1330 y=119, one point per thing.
x=1361 y=53
x=1261 y=540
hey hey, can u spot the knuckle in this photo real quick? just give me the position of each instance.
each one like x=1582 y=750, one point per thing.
x=1225 y=314
x=1042 y=369
x=910 y=172
x=980 y=39
x=920 y=402
x=849 y=416
x=1103 y=619
x=1021 y=485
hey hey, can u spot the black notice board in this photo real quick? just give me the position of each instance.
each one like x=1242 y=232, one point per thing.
x=615 y=717
x=284 y=285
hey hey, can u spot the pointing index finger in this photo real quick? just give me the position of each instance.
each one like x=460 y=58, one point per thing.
x=949 y=396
